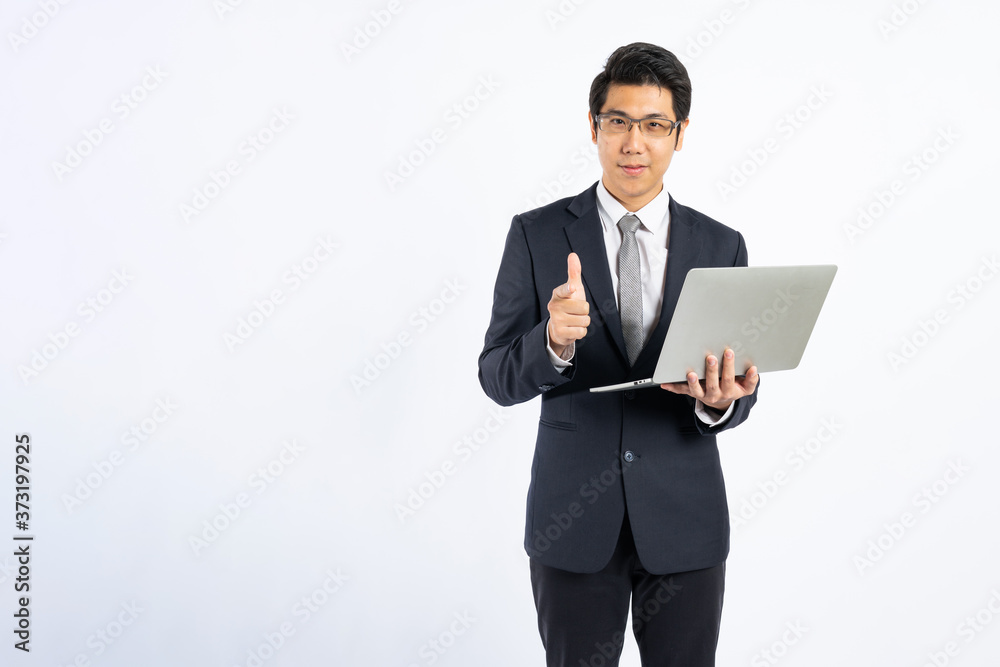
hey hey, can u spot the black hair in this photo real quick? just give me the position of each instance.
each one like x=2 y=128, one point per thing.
x=643 y=64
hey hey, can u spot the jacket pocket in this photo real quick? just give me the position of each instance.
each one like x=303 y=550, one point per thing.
x=565 y=426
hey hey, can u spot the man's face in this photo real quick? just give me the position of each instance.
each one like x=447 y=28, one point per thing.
x=633 y=163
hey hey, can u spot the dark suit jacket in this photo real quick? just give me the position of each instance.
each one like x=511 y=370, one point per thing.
x=596 y=452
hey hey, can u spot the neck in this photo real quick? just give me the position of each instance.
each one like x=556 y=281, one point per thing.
x=632 y=204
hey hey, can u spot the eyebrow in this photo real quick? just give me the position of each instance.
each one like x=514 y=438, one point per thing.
x=619 y=112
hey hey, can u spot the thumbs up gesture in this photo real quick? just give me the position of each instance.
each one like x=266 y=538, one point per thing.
x=568 y=309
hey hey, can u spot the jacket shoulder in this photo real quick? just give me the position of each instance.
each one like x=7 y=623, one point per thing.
x=560 y=211
x=706 y=224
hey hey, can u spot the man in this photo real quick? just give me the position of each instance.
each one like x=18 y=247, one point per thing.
x=627 y=500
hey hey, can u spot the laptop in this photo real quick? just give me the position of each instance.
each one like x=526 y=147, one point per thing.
x=765 y=314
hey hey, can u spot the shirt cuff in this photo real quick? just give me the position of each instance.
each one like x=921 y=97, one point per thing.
x=558 y=362
x=710 y=418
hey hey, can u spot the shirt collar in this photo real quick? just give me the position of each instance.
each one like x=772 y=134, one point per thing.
x=655 y=216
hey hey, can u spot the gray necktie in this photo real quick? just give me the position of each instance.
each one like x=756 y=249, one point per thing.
x=630 y=287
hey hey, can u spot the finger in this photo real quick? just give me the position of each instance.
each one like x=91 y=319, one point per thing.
x=577 y=305
x=694 y=386
x=711 y=377
x=676 y=387
x=574 y=321
x=573 y=268
x=750 y=380
x=571 y=306
x=564 y=291
x=728 y=372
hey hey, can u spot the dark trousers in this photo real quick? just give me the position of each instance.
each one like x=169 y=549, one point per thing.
x=675 y=617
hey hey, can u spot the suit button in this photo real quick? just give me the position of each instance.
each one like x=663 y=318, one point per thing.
x=629 y=456
x=630 y=394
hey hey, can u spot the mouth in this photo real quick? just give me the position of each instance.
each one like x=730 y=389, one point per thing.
x=633 y=169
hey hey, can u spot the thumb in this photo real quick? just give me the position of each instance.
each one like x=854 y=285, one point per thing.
x=573 y=269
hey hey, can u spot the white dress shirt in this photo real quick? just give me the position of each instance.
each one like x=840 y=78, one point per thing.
x=653 y=238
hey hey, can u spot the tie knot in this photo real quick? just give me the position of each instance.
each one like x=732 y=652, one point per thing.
x=628 y=224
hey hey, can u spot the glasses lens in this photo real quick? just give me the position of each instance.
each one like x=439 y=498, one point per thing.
x=614 y=124
x=656 y=127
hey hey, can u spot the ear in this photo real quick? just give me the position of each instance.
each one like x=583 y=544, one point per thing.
x=593 y=130
x=679 y=142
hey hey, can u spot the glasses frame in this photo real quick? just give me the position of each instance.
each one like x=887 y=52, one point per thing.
x=672 y=124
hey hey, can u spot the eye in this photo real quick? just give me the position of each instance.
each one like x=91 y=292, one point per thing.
x=616 y=120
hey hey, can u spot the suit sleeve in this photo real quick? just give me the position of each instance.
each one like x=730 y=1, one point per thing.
x=514 y=365
x=741 y=407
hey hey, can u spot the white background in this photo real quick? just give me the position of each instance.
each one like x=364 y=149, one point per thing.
x=894 y=79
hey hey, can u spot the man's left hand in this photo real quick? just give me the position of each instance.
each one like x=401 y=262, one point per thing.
x=713 y=391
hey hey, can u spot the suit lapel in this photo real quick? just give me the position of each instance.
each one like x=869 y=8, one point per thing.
x=586 y=238
x=683 y=254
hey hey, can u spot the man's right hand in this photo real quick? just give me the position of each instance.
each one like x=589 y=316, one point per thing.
x=568 y=309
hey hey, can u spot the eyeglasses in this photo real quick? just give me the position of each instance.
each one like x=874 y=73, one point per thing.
x=651 y=127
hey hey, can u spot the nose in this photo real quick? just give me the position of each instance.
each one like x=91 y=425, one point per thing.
x=633 y=140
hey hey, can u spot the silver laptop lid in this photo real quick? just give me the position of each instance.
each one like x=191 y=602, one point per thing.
x=764 y=313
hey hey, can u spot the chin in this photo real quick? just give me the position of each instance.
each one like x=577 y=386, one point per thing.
x=636 y=189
